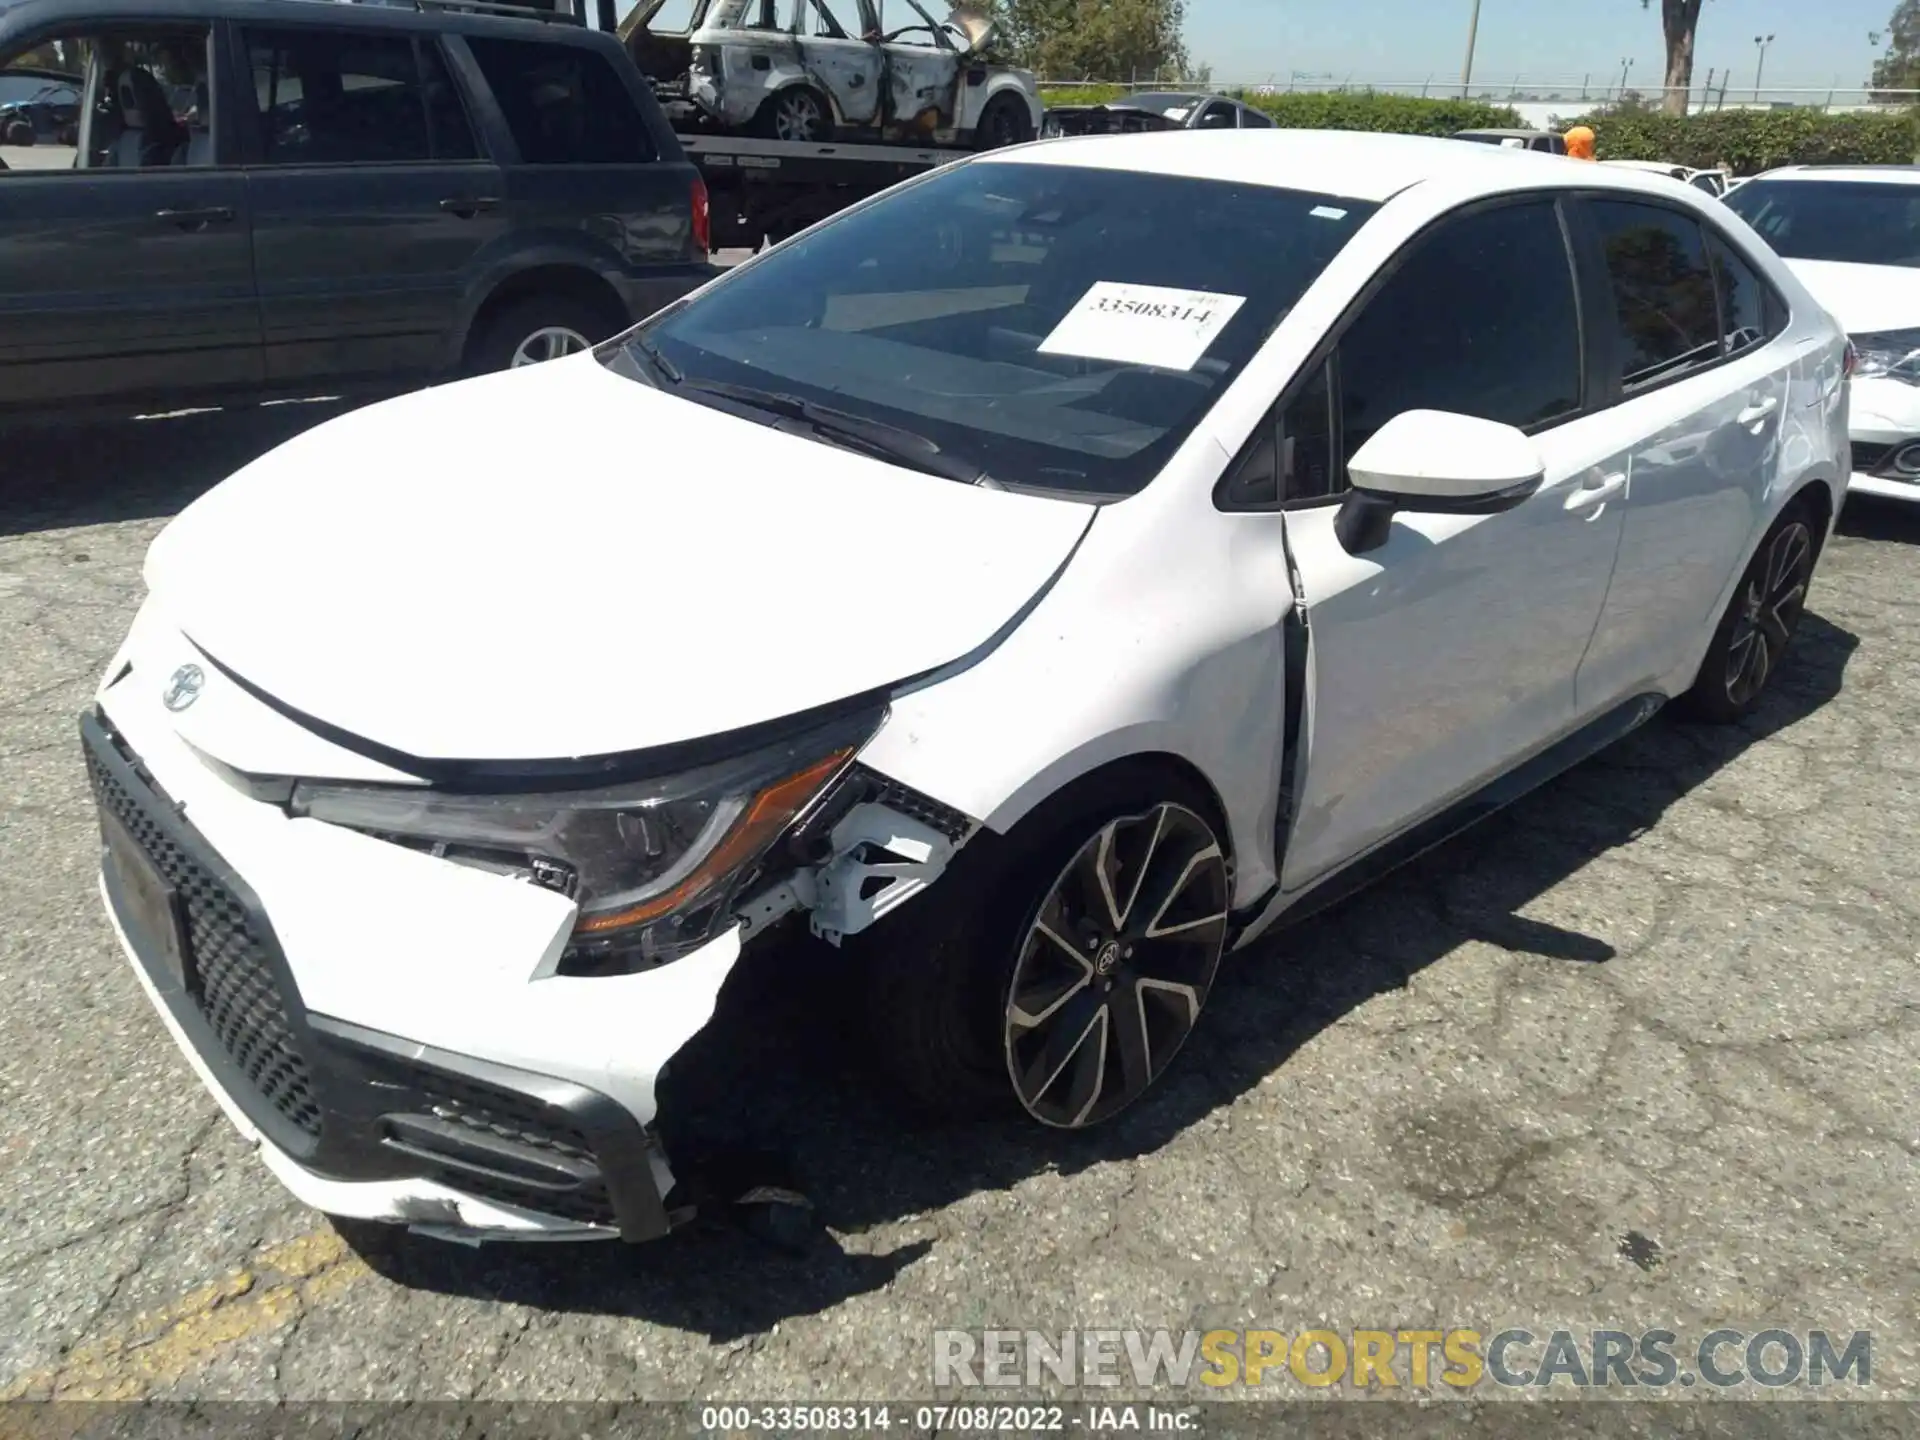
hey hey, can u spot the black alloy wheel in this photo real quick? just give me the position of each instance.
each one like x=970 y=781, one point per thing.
x=1115 y=966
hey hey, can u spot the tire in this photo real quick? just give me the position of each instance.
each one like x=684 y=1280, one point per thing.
x=1006 y=121
x=19 y=132
x=798 y=113
x=1753 y=636
x=509 y=336
x=979 y=1003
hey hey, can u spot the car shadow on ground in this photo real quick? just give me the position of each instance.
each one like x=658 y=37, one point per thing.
x=780 y=1067
x=58 y=477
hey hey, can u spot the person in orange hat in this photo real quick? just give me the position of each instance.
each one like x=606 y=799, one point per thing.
x=1580 y=143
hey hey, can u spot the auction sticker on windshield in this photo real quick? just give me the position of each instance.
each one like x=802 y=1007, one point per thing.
x=1142 y=325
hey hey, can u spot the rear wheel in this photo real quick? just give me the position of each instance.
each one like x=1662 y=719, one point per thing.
x=539 y=328
x=1064 y=970
x=1005 y=121
x=19 y=132
x=1753 y=635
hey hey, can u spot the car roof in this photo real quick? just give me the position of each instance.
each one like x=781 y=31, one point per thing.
x=1359 y=165
x=1876 y=174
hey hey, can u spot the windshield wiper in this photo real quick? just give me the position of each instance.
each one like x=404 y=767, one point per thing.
x=856 y=432
x=659 y=363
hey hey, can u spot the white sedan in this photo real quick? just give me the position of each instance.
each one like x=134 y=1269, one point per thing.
x=1204 y=525
x=1852 y=236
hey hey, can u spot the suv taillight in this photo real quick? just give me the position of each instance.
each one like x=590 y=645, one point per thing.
x=702 y=217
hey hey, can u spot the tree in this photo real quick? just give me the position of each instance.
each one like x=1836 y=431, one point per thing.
x=1097 y=39
x=1678 y=20
x=1899 y=67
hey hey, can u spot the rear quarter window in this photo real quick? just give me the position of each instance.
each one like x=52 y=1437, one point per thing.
x=564 y=104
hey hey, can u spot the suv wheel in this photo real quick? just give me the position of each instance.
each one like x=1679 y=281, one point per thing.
x=797 y=113
x=19 y=132
x=537 y=329
x=1004 y=122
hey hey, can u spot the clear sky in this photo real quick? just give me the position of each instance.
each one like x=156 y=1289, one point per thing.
x=1818 y=43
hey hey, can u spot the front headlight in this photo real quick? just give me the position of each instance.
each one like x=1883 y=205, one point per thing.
x=652 y=863
x=1888 y=355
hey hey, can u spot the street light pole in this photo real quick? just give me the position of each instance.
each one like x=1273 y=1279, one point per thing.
x=1626 y=65
x=1760 y=67
x=1473 y=35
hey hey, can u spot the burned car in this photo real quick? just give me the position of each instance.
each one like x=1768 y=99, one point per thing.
x=1155 y=110
x=814 y=70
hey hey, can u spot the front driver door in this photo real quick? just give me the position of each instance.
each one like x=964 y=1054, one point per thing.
x=1447 y=655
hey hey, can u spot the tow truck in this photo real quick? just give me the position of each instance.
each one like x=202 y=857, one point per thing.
x=942 y=103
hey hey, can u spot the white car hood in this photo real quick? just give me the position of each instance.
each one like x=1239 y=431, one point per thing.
x=560 y=562
x=1865 y=299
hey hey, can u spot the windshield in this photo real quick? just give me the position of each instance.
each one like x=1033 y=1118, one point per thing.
x=1870 y=222
x=1050 y=327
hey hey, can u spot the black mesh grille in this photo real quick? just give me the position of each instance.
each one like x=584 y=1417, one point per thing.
x=236 y=990
x=911 y=803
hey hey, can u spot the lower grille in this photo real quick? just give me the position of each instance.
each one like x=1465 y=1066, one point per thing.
x=235 y=989
x=519 y=1120
x=1868 y=458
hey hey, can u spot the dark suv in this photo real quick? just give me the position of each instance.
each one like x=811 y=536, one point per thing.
x=301 y=198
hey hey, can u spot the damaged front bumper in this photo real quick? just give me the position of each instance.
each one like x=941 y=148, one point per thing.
x=384 y=1026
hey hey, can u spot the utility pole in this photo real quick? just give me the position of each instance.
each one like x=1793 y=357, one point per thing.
x=1760 y=67
x=1626 y=64
x=1473 y=35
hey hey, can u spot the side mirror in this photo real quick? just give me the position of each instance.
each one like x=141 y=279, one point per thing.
x=1435 y=462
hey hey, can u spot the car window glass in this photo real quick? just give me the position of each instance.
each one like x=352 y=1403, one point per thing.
x=1252 y=119
x=151 y=104
x=449 y=130
x=1306 y=444
x=1663 y=294
x=1748 y=314
x=1479 y=320
x=1216 y=117
x=565 y=105
x=675 y=17
x=337 y=97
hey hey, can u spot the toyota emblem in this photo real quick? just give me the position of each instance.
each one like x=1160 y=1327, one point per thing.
x=184 y=687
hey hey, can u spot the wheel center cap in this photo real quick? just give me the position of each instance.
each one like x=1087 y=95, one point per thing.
x=1109 y=956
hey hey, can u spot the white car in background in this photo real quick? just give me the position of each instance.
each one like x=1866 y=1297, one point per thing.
x=1713 y=182
x=1207 y=524
x=1852 y=235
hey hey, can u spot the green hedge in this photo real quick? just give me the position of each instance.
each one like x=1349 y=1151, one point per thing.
x=1754 y=140
x=1405 y=114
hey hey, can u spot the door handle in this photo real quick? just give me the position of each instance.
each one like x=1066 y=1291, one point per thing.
x=466 y=207
x=1596 y=492
x=1759 y=410
x=195 y=219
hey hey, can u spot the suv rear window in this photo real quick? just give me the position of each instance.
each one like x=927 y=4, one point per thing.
x=1057 y=328
x=565 y=105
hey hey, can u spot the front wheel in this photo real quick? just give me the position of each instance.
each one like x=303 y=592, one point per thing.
x=536 y=329
x=796 y=114
x=1065 y=973
x=1752 y=637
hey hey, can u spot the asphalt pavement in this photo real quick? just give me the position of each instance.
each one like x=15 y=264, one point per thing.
x=1643 y=1051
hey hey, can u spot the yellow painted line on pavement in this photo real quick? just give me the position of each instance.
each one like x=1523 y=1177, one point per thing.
x=159 y=1348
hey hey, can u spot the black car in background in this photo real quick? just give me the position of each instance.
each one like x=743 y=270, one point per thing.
x=295 y=197
x=39 y=105
x=1155 y=110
